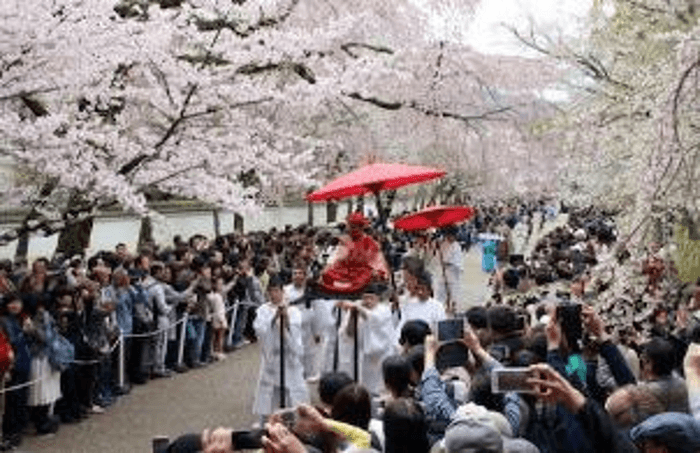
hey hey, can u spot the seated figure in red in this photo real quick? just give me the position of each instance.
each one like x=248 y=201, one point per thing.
x=357 y=261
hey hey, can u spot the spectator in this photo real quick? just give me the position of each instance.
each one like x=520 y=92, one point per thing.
x=660 y=391
x=13 y=325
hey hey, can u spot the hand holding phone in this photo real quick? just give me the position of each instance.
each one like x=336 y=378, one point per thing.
x=504 y=380
x=552 y=387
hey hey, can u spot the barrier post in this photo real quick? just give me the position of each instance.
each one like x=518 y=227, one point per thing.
x=164 y=352
x=121 y=359
x=181 y=346
x=232 y=324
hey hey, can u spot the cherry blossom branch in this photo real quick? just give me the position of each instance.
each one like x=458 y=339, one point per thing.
x=348 y=48
x=413 y=105
x=300 y=69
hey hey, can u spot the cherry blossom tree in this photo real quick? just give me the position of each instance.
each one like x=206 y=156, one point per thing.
x=107 y=102
x=630 y=135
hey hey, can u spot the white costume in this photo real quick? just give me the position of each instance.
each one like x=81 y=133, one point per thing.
x=267 y=396
x=431 y=311
x=326 y=319
x=452 y=260
x=308 y=330
x=376 y=338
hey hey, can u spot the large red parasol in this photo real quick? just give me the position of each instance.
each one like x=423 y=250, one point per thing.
x=434 y=217
x=374 y=178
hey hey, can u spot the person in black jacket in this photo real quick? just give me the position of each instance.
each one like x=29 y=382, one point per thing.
x=550 y=386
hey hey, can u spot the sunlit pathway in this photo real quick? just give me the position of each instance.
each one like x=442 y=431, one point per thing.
x=474 y=281
x=220 y=394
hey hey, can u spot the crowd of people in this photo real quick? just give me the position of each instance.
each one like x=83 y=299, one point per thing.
x=386 y=379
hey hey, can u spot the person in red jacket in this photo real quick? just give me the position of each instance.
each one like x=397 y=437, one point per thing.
x=357 y=261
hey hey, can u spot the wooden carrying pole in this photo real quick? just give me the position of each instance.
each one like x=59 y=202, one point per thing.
x=283 y=403
x=355 y=349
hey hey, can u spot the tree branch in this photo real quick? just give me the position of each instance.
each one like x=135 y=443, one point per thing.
x=348 y=48
x=299 y=69
x=413 y=105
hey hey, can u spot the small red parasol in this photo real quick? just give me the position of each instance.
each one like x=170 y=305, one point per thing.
x=434 y=217
x=374 y=178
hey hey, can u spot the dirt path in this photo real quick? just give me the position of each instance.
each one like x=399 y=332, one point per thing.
x=218 y=395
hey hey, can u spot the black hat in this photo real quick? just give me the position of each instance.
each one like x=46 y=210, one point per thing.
x=373 y=288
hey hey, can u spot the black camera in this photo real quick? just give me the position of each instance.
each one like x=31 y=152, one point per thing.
x=569 y=318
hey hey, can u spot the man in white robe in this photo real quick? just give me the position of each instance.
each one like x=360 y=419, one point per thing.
x=450 y=282
x=267 y=328
x=293 y=292
x=376 y=338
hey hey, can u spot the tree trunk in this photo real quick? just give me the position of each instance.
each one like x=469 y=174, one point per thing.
x=145 y=233
x=74 y=239
x=331 y=212
x=309 y=211
x=217 y=223
x=360 y=204
x=237 y=223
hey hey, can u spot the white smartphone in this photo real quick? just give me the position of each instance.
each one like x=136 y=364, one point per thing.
x=505 y=380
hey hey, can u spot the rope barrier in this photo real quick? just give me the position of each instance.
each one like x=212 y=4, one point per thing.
x=114 y=347
x=171 y=326
x=96 y=361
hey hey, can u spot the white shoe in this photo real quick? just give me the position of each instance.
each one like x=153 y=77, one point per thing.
x=313 y=379
x=95 y=409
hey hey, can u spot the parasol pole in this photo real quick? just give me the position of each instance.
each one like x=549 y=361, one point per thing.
x=282 y=383
x=337 y=339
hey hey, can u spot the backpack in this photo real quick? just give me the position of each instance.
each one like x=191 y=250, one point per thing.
x=144 y=320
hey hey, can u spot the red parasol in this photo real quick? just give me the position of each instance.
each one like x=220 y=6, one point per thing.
x=374 y=178
x=434 y=217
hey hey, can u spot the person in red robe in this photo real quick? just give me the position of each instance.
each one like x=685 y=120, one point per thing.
x=357 y=262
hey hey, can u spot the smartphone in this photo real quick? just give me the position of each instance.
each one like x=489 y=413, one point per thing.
x=569 y=317
x=505 y=380
x=289 y=418
x=451 y=329
x=247 y=440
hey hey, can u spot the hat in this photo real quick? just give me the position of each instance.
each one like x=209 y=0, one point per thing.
x=357 y=219
x=373 y=288
x=472 y=434
x=482 y=414
x=678 y=432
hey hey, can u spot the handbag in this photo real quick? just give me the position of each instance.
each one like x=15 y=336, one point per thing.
x=61 y=352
